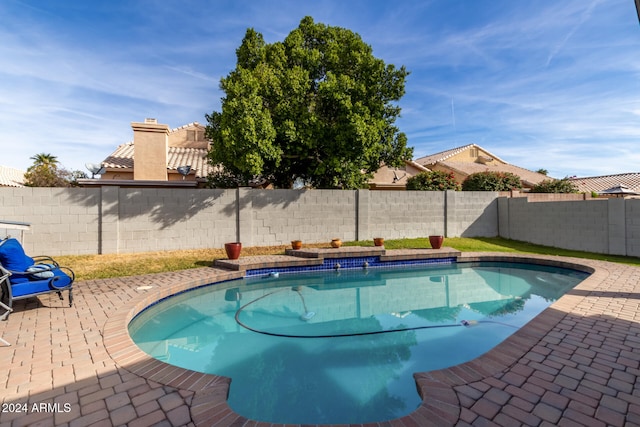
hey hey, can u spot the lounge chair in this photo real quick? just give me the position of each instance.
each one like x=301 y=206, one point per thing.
x=24 y=277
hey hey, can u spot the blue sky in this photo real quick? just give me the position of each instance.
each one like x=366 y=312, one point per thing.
x=541 y=84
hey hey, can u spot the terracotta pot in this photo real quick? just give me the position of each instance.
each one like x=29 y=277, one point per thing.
x=296 y=244
x=336 y=243
x=436 y=241
x=233 y=250
x=378 y=241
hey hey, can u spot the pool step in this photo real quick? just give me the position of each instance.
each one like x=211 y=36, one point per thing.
x=315 y=256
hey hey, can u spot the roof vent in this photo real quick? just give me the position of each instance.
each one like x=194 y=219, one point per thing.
x=484 y=159
x=151 y=121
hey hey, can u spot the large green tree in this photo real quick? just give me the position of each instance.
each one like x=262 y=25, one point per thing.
x=317 y=107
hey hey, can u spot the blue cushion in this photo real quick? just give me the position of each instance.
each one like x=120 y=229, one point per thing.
x=12 y=256
x=18 y=278
x=30 y=287
x=21 y=289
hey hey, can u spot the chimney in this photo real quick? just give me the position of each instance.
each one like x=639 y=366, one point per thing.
x=150 y=145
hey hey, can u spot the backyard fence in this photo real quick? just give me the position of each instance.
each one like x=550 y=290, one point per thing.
x=73 y=221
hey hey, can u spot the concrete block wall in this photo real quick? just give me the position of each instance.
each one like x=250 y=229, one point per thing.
x=126 y=220
x=66 y=220
x=279 y=216
x=632 y=227
x=471 y=213
x=616 y=227
x=578 y=225
x=152 y=219
x=399 y=214
x=77 y=221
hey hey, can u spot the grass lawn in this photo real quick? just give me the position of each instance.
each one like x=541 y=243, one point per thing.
x=89 y=267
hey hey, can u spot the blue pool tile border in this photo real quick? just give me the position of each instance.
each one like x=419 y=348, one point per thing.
x=331 y=264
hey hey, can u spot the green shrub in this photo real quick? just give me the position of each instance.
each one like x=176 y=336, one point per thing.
x=492 y=181
x=563 y=185
x=433 y=181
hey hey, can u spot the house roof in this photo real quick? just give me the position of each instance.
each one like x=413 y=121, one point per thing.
x=395 y=178
x=529 y=178
x=182 y=151
x=10 y=177
x=604 y=182
x=444 y=155
x=122 y=158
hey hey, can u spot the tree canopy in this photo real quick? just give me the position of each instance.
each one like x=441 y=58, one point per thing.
x=433 y=181
x=45 y=172
x=316 y=107
x=564 y=185
x=44 y=159
x=491 y=181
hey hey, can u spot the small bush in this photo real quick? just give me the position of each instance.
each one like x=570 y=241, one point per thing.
x=433 y=181
x=492 y=181
x=563 y=185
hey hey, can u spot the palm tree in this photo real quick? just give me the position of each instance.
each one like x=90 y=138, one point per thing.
x=43 y=159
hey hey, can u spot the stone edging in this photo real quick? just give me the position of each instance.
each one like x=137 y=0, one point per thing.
x=440 y=403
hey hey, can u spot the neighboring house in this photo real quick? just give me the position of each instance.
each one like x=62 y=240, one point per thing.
x=156 y=153
x=10 y=177
x=597 y=184
x=389 y=178
x=163 y=157
x=464 y=161
x=158 y=157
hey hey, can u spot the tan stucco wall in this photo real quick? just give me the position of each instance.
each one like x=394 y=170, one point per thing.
x=117 y=175
x=151 y=144
x=384 y=176
x=191 y=136
x=471 y=155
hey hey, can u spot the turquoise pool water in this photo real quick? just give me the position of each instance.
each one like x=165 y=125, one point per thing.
x=342 y=347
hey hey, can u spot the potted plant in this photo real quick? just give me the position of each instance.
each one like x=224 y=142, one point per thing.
x=233 y=250
x=296 y=244
x=436 y=241
x=336 y=243
x=378 y=241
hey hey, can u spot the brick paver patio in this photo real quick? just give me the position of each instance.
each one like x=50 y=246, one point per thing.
x=577 y=364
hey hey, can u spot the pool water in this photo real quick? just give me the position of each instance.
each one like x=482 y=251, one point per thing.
x=342 y=347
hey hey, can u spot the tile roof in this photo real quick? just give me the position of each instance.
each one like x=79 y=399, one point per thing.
x=444 y=155
x=122 y=158
x=529 y=178
x=195 y=157
x=10 y=177
x=600 y=183
x=188 y=125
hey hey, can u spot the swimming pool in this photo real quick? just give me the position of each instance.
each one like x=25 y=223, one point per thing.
x=341 y=347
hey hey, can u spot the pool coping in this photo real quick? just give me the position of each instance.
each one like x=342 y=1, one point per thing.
x=440 y=401
x=315 y=256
